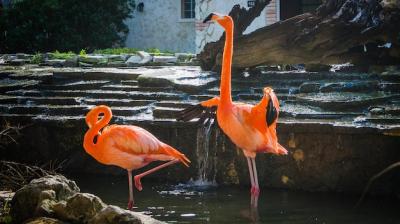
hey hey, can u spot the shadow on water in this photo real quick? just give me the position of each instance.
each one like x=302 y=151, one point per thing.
x=188 y=203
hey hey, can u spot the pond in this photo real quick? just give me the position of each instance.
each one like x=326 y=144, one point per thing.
x=189 y=203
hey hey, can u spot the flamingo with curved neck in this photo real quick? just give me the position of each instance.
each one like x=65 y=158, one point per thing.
x=127 y=146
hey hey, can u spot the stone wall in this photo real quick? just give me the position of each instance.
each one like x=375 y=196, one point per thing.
x=322 y=157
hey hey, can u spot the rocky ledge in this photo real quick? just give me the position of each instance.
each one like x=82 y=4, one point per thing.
x=55 y=199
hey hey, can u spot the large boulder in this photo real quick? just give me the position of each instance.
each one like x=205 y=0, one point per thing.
x=80 y=208
x=27 y=200
x=55 y=199
x=115 y=215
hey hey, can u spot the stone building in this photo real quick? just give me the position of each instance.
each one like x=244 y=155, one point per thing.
x=176 y=25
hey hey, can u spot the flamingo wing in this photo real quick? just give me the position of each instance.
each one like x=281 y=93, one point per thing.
x=205 y=110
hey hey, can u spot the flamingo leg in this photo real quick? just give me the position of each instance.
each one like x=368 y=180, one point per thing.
x=137 y=178
x=256 y=187
x=130 y=202
x=251 y=174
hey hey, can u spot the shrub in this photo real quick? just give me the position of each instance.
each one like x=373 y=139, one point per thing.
x=47 y=25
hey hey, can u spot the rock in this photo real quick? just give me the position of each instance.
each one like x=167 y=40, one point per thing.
x=86 y=65
x=6 y=196
x=309 y=87
x=93 y=59
x=115 y=215
x=24 y=56
x=80 y=208
x=71 y=62
x=17 y=62
x=165 y=59
x=317 y=68
x=59 y=198
x=44 y=220
x=141 y=58
x=133 y=60
x=27 y=199
x=185 y=57
x=148 y=81
x=376 y=110
x=55 y=62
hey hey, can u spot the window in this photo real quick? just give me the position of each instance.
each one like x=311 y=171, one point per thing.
x=187 y=9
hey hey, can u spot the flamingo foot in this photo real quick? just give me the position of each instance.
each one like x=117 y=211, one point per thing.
x=130 y=205
x=138 y=183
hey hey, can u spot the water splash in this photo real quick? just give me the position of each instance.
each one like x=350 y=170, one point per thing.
x=203 y=155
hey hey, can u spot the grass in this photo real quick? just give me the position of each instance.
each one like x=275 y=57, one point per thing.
x=124 y=50
x=39 y=57
x=62 y=55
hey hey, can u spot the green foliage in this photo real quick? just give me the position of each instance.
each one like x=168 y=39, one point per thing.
x=37 y=58
x=116 y=51
x=62 y=55
x=47 y=25
x=156 y=51
x=83 y=53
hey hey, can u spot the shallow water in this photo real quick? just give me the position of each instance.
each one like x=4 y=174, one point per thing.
x=186 y=203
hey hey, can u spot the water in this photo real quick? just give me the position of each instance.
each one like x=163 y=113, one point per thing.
x=203 y=154
x=189 y=204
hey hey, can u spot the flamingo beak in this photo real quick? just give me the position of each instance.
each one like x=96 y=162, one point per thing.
x=213 y=17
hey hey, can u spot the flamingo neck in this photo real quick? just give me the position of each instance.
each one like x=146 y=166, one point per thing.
x=95 y=125
x=225 y=88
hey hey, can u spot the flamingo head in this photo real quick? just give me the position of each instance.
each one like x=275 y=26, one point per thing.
x=267 y=91
x=223 y=20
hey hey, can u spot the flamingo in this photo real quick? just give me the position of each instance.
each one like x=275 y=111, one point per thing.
x=252 y=128
x=127 y=146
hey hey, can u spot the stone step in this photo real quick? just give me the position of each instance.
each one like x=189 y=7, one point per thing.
x=8 y=84
x=80 y=85
x=285 y=90
x=165 y=112
x=301 y=75
x=272 y=83
x=129 y=82
x=390 y=87
x=216 y=91
x=118 y=102
x=127 y=111
x=136 y=88
x=44 y=109
x=100 y=94
x=4 y=99
x=201 y=97
x=44 y=77
x=96 y=74
x=174 y=104
x=345 y=101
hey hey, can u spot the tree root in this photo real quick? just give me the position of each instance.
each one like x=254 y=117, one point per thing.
x=376 y=176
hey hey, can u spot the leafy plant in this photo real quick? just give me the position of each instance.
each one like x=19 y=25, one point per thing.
x=83 y=53
x=47 y=25
x=62 y=55
x=37 y=58
x=116 y=51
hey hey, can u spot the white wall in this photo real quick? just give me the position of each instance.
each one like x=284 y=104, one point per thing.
x=213 y=32
x=160 y=26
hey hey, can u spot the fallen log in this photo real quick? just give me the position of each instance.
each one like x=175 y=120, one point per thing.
x=339 y=31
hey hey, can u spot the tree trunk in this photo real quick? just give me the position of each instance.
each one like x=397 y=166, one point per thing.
x=339 y=31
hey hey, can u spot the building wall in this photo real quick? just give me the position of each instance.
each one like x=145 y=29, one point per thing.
x=212 y=32
x=160 y=26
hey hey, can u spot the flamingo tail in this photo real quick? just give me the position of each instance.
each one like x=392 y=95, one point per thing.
x=176 y=154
